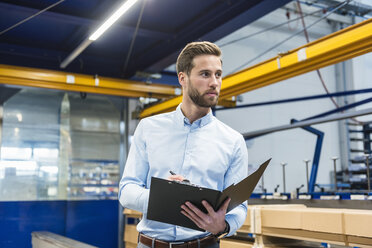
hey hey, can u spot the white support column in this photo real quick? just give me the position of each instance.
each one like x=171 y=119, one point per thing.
x=344 y=82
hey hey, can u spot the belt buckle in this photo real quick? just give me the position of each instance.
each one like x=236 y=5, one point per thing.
x=175 y=243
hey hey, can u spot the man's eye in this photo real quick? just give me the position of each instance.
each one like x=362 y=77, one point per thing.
x=205 y=74
x=218 y=75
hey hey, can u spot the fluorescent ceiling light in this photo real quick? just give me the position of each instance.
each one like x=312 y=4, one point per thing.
x=98 y=33
x=112 y=19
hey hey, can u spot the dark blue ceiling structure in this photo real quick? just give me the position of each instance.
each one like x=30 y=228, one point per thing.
x=165 y=27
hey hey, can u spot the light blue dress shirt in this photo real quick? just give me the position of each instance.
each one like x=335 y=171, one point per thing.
x=207 y=152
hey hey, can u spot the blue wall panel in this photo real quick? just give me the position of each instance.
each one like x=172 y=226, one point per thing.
x=93 y=222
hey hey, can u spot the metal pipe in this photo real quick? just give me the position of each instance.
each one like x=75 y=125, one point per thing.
x=307 y=173
x=30 y=17
x=134 y=38
x=334 y=117
x=283 y=164
x=335 y=173
x=304 y=98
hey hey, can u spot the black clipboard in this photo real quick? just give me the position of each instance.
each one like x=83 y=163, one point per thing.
x=166 y=197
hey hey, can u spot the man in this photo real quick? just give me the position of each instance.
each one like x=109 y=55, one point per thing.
x=193 y=143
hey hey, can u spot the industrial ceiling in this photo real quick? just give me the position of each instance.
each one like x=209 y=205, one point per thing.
x=136 y=43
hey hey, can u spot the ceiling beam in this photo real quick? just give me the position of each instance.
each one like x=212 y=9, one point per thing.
x=334 y=48
x=31 y=77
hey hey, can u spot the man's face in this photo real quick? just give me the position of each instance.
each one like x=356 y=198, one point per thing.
x=203 y=85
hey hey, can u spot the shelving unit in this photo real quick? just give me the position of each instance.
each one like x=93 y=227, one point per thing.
x=356 y=175
x=93 y=179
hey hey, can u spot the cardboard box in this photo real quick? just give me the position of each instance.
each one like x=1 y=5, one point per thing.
x=228 y=243
x=283 y=207
x=322 y=220
x=130 y=245
x=131 y=234
x=281 y=218
x=337 y=226
x=299 y=234
x=132 y=213
x=358 y=222
x=359 y=241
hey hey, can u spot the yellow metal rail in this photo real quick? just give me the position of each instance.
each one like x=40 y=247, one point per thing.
x=31 y=77
x=336 y=47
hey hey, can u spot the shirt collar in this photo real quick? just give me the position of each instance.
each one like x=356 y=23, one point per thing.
x=183 y=120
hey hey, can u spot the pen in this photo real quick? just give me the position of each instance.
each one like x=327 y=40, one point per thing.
x=171 y=172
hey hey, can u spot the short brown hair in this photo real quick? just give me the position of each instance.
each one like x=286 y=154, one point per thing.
x=193 y=49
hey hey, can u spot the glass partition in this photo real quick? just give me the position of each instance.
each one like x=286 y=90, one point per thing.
x=57 y=145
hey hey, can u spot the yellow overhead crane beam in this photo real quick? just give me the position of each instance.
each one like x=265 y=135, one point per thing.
x=31 y=77
x=336 y=47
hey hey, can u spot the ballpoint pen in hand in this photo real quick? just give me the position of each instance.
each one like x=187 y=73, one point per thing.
x=183 y=180
x=173 y=173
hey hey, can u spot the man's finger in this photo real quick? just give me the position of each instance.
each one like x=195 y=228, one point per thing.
x=176 y=178
x=225 y=205
x=196 y=210
x=208 y=207
x=191 y=215
x=192 y=218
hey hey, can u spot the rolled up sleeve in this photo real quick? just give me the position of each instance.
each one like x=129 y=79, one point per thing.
x=133 y=193
x=237 y=171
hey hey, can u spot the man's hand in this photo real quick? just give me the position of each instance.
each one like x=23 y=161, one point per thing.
x=213 y=222
x=176 y=178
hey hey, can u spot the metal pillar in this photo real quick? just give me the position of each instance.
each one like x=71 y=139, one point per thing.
x=64 y=147
x=307 y=173
x=283 y=165
x=123 y=152
x=344 y=82
x=335 y=171
x=316 y=158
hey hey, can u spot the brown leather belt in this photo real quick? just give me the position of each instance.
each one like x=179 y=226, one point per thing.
x=204 y=242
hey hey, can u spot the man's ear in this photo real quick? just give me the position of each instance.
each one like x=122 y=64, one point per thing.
x=182 y=78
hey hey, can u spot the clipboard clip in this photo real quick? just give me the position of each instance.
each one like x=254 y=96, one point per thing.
x=185 y=182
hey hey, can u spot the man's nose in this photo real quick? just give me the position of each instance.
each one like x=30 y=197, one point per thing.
x=214 y=82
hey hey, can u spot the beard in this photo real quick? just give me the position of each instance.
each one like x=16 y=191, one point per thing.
x=201 y=100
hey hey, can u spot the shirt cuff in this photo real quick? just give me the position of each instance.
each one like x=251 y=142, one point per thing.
x=232 y=228
x=144 y=200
